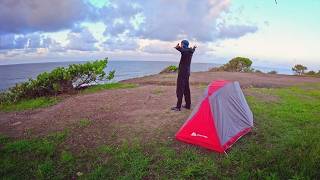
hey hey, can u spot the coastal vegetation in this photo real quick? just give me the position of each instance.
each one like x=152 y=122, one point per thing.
x=242 y=64
x=44 y=90
x=60 y=80
x=237 y=64
x=170 y=69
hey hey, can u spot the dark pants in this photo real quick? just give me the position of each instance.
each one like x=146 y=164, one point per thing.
x=183 y=89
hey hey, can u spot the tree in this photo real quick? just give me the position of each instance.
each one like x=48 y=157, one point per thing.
x=299 y=69
x=238 y=64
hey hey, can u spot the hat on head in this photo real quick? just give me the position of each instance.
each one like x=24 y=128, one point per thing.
x=184 y=43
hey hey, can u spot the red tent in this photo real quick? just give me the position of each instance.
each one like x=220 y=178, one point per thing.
x=220 y=118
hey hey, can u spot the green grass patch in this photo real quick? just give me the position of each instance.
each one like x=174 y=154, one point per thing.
x=124 y=162
x=40 y=102
x=84 y=123
x=101 y=87
x=34 y=158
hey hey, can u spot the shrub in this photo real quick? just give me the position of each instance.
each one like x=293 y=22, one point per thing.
x=58 y=81
x=273 y=72
x=237 y=64
x=299 y=69
x=312 y=73
x=258 y=71
x=170 y=69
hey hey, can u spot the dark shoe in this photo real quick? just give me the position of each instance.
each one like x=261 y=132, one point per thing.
x=175 y=109
x=187 y=107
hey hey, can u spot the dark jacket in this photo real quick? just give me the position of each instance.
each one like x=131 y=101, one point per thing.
x=185 y=61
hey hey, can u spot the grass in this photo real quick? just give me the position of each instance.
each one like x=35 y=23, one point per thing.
x=29 y=104
x=84 y=123
x=284 y=144
x=42 y=102
x=100 y=87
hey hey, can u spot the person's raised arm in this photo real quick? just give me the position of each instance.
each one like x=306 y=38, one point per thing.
x=178 y=47
x=194 y=48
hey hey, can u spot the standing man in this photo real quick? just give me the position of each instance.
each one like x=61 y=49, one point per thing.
x=183 y=75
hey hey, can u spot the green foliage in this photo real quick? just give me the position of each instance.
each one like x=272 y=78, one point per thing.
x=28 y=104
x=100 y=87
x=45 y=170
x=237 y=64
x=170 y=69
x=311 y=73
x=66 y=158
x=299 y=69
x=84 y=123
x=35 y=158
x=125 y=162
x=273 y=72
x=58 y=81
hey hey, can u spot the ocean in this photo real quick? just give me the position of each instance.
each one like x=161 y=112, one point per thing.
x=16 y=73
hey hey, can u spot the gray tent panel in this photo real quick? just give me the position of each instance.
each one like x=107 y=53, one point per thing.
x=230 y=111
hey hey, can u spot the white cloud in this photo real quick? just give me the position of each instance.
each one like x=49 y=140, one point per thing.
x=82 y=40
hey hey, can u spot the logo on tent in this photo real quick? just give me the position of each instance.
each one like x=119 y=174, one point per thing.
x=199 y=135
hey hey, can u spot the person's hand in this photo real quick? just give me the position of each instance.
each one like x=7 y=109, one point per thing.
x=177 y=46
x=194 y=47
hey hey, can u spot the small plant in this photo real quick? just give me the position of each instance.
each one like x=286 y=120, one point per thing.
x=84 y=123
x=273 y=72
x=258 y=71
x=170 y=69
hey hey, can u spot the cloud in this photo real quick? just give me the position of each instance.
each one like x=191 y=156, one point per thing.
x=21 y=16
x=127 y=44
x=127 y=23
x=28 y=43
x=165 y=20
x=235 y=31
x=7 y=41
x=159 y=47
x=82 y=40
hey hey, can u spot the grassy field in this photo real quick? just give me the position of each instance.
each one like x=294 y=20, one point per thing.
x=42 y=102
x=283 y=145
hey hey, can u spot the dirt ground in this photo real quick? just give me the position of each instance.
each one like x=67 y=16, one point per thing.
x=125 y=114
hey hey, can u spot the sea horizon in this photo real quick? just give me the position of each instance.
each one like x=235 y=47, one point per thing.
x=11 y=74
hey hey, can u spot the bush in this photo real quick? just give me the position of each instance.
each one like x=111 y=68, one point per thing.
x=170 y=69
x=258 y=71
x=58 y=81
x=273 y=72
x=238 y=64
x=299 y=69
x=312 y=73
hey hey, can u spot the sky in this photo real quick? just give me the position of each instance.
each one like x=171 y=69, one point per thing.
x=270 y=34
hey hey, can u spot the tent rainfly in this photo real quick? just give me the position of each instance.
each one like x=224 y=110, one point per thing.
x=220 y=119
